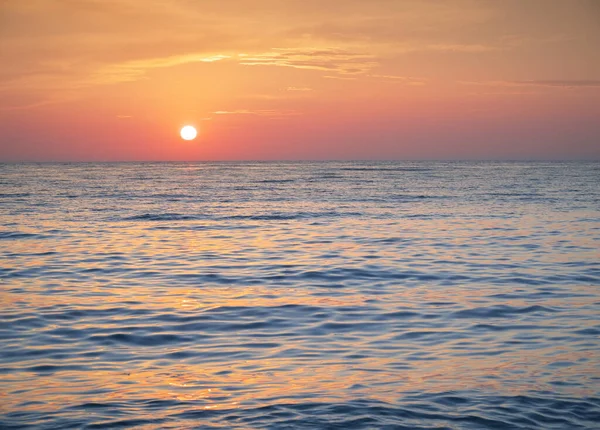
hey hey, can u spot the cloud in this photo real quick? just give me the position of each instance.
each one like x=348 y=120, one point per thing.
x=52 y=51
x=133 y=70
x=559 y=83
x=260 y=112
x=61 y=81
x=341 y=78
x=14 y=100
x=332 y=60
x=299 y=89
x=457 y=47
x=400 y=79
x=574 y=83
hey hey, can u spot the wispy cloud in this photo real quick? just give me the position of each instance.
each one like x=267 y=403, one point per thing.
x=259 y=112
x=332 y=60
x=133 y=70
x=559 y=83
x=54 y=52
x=456 y=47
x=406 y=80
x=299 y=89
x=341 y=78
x=58 y=82
x=576 y=83
x=11 y=101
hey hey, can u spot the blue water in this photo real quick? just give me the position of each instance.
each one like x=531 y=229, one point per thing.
x=300 y=295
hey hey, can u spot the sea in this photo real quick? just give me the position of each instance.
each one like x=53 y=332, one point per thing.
x=300 y=295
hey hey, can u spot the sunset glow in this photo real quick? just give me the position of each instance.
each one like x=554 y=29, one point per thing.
x=344 y=79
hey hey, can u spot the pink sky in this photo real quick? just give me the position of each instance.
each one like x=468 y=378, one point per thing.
x=103 y=80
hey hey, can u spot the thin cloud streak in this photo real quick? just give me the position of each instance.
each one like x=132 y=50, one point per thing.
x=299 y=89
x=133 y=70
x=560 y=83
x=332 y=60
x=259 y=112
x=583 y=83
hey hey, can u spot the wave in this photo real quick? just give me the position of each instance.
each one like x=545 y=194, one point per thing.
x=276 y=181
x=424 y=411
x=19 y=235
x=501 y=311
x=13 y=195
x=164 y=217
x=259 y=217
x=385 y=169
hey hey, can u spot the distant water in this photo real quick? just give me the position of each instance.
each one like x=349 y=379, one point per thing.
x=300 y=295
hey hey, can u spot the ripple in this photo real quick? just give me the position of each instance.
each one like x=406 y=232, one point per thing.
x=163 y=217
x=500 y=311
x=19 y=235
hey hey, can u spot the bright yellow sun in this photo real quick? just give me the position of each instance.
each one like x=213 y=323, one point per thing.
x=188 y=133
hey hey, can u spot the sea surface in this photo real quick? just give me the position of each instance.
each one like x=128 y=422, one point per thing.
x=327 y=295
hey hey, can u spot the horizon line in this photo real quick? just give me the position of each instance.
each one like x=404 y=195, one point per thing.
x=308 y=160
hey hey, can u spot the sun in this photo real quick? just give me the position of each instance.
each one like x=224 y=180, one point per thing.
x=188 y=133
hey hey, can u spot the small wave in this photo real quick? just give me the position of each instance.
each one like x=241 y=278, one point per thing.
x=506 y=327
x=52 y=368
x=169 y=196
x=502 y=311
x=277 y=181
x=385 y=169
x=257 y=217
x=163 y=217
x=125 y=423
x=18 y=235
x=427 y=216
x=291 y=216
x=588 y=332
x=13 y=195
x=443 y=410
x=401 y=197
x=139 y=340
x=397 y=315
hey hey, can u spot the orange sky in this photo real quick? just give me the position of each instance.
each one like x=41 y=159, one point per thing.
x=273 y=79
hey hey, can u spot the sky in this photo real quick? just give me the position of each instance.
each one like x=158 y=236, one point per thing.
x=115 y=80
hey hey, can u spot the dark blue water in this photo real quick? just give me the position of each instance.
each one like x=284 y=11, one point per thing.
x=300 y=295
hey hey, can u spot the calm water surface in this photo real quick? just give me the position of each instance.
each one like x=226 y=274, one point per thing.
x=300 y=295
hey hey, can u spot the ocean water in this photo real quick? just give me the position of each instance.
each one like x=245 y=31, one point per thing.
x=337 y=295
